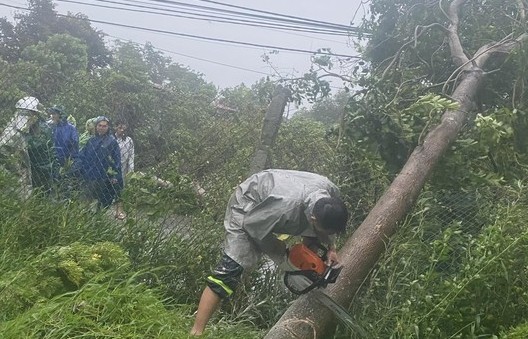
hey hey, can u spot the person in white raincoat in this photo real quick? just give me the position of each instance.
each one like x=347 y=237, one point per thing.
x=13 y=142
x=126 y=146
x=268 y=203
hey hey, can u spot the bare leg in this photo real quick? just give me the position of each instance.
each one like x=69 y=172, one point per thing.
x=209 y=302
x=120 y=212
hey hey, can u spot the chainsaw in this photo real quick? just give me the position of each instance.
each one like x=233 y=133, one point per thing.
x=308 y=269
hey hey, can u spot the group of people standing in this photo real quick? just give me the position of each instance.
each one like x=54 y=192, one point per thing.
x=47 y=154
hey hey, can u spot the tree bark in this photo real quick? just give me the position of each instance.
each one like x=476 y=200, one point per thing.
x=306 y=318
x=270 y=129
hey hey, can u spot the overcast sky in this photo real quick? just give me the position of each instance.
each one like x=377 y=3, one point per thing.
x=223 y=64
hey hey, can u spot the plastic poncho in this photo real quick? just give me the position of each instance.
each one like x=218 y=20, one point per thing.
x=66 y=141
x=27 y=141
x=101 y=159
x=273 y=201
x=42 y=157
x=88 y=132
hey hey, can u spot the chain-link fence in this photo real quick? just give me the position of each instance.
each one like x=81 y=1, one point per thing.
x=153 y=173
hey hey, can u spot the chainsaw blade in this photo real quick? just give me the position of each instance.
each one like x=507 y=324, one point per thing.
x=340 y=312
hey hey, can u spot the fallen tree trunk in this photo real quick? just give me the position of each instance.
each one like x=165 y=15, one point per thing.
x=306 y=318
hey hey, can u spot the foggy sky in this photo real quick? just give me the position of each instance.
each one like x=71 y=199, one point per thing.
x=220 y=60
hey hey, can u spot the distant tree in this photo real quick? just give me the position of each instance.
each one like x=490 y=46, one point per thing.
x=37 y=24
x=60 y=53
x=44 y=68
x=157 y=63
x=328 y=110
x=42 y=21
x=9 y=50
x=79 y=26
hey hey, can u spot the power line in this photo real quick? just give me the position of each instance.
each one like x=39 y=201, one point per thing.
x=198 y=37
x=274 y=17
x=282 y=25
x=278 y=14
x=227 y=41
x=193 y=57
x=205 y=60
x=208 y=18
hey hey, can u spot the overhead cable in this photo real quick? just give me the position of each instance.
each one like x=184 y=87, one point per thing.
x=277 y=14
x=241 y=43
x=274 y=17
x=226 y=40
x=209 y=18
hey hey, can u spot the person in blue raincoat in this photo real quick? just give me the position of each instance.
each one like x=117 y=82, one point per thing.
x=65 y=137
x=100 y=162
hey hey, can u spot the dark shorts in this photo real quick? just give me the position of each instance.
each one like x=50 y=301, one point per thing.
x=225 y=277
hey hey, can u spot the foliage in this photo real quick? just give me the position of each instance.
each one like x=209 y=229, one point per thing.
x=442 y=278
x=52 y=63
x=260 y=301
x=517 y=332
x=156 y=198
x=392 y=132
x=56 y=271
x=60 y=53
x=328 y=110
x=497 y=146
x=456 y=269
x=407 y=57
x=41 y=22
x=112 y=309
x=178 y=250
x=31 y=225
x=303 y=145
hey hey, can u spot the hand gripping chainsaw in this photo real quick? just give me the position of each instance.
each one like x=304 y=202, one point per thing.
x=307 y=271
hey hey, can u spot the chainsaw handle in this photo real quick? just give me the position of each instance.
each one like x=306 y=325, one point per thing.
x=318 y=248
x=314 y=284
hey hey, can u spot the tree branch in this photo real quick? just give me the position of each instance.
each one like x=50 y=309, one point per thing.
x=442 y=9
x=415 y=80
x=417 y=33
x=482 y=55
x=506 y=45
x=457 y=52
x=522 y=10
x=332 y=74
x=435 y=24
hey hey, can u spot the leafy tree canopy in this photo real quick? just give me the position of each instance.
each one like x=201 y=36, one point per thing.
x=42 y=21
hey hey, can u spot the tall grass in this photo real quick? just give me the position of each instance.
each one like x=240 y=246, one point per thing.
x=441 y=278
x=70 y=272
x=114 y=309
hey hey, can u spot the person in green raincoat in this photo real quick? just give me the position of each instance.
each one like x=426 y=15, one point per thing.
x=26 y=146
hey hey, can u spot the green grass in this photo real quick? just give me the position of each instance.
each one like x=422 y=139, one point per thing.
x=123 y=310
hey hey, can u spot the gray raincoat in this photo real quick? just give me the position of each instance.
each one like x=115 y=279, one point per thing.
x=268 y=203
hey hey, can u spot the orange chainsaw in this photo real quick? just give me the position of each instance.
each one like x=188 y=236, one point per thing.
x=308 y=269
